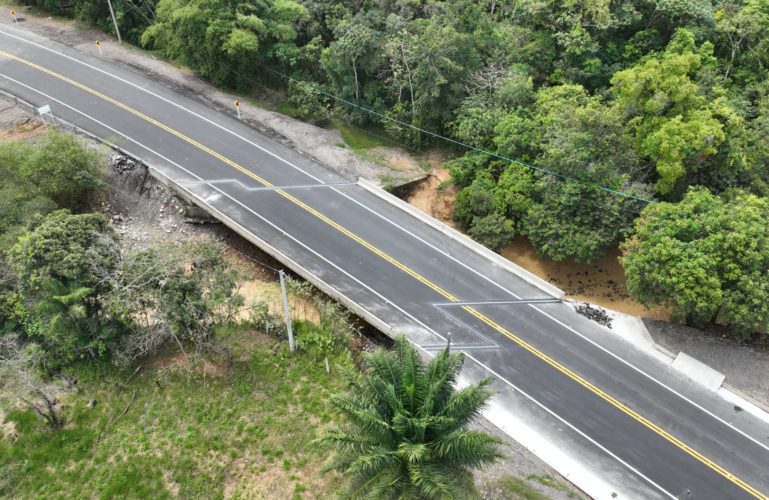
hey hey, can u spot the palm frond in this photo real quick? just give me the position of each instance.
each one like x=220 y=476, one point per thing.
x=413 y=452
x=466 y=448
x=466 y=404
x=375 y=459
x=386 y=483
x=433 y=481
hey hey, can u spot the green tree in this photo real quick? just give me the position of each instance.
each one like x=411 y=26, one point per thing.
x=70 y=325
x=64 y=247
x=514 y=194
x=676 y=124
x=58 y=266
x=58 y=167
x=494 y=91
x=707 y=258
x=352 y=59
x=758 y=146
x=493 y=231
x=426 y=62
x=572 y=220
x=742 y=39
x=226 y=41
x=307 y=103
x=476 y=200
x=405 y=435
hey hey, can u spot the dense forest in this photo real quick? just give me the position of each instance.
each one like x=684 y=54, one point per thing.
x=579 y=125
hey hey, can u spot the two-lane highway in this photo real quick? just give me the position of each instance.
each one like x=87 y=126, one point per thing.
x=626 y=417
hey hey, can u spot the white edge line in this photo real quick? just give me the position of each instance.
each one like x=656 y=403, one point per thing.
x=515 y=388
x=685 y=398
x=571 y=426
x=407 y=314
x=235 y=134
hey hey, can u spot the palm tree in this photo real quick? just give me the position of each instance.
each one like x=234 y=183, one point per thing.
x=70 y=317
x=75 y=325
x=405 y=436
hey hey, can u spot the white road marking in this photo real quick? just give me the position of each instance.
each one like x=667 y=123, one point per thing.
x=498 y=302
x=405 y=313
x=265 y=188
x=478 y=273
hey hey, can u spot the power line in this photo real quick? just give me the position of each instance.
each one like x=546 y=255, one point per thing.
x=346 y=121
x=462 y=144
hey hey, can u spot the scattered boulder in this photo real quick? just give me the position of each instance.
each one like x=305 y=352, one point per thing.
x=595 y=313
x=122 y=164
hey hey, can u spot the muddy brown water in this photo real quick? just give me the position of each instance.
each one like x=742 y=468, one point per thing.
x=602 y=283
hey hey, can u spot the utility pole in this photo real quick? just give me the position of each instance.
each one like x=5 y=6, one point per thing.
x=286 y=311
x=114 y=21
x=448 y=344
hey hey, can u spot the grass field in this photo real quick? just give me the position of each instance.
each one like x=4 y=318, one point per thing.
x=201 y=431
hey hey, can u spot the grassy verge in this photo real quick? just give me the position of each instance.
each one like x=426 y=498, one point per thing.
x=361 y=138
x=202 y=431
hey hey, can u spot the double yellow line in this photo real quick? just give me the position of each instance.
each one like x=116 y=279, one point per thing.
x=472 y=311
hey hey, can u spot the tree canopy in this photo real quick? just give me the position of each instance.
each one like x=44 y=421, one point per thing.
x=706 y=257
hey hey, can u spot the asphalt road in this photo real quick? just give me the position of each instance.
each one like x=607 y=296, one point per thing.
x=624 y=416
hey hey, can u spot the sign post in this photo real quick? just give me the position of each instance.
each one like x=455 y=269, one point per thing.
x=15 y=20
x=98 y=45
x=44 y=111
x=237 y=108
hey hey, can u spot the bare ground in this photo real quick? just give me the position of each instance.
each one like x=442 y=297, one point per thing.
x=435 y=195
x=746 y=366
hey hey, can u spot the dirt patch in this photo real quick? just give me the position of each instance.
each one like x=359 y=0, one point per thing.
x=7 y=428
x=269 y=293
x=249 y=478
x=397 y=159
x=16 y=123
x=435 y=195
x=171 y=485
x=172 y=360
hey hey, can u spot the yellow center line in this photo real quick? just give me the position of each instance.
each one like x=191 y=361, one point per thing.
x=471 y=310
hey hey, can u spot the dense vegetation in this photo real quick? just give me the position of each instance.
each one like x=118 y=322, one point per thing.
x=578 y=116
x=67 y=287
